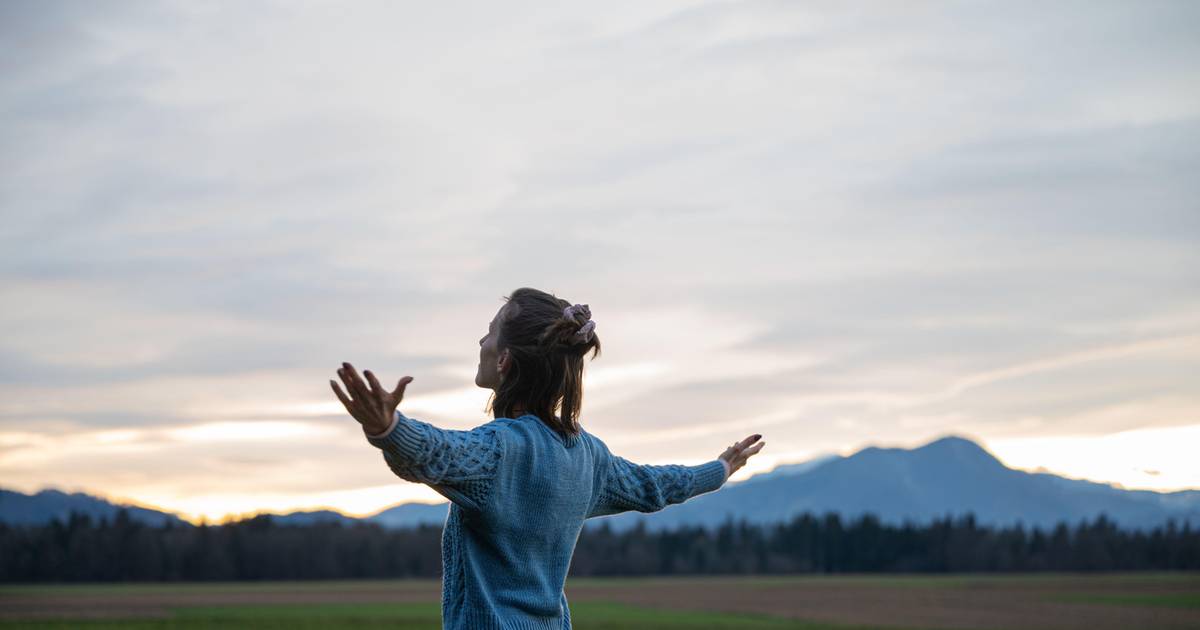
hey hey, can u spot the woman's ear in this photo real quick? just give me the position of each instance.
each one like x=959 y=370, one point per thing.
x=503 y=361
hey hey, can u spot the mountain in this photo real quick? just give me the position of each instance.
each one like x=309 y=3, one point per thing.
x=25 y=509
x=951 y=475
x=312 y=518
x=411 y=514
x=787 y=470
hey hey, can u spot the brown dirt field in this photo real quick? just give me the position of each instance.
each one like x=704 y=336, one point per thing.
x=962 y=602
x=977 y=603
x=143 y=605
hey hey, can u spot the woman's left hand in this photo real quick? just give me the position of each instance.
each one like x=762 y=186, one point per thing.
x=373 y=407
x=737 y=454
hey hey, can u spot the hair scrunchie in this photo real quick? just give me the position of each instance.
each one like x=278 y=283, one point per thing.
x=584 y=334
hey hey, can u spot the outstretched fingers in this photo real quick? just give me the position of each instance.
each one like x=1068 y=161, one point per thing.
x=748 y=453
x=738 y=446
x=354 y=384
x=399 y=392
x=748 y=441
x=342 y=397
x=349 y=404
x=382 y=393
x=737 y=454
x=376 y=388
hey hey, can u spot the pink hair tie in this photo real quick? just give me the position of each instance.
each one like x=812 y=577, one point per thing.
x=584 y=334
x=577 y=309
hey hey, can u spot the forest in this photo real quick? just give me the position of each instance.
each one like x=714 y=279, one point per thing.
x=123 y=549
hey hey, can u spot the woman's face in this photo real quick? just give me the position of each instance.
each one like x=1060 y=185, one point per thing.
x=492 y=362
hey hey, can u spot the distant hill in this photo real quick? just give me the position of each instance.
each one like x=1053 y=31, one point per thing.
x=312 y=518
x=411 y=514
x=25 y=509
x=949 y=476
x=22 y=509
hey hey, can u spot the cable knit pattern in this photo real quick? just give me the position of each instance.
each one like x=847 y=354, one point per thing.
x=458 y=464
x=519 y=494
x=644 y=488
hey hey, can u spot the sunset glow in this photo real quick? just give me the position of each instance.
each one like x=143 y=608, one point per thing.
x=834 y=229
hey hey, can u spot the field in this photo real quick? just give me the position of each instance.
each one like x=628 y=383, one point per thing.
x=1033 y=601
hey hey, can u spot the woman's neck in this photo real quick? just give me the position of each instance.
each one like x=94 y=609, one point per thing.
x=516 y=411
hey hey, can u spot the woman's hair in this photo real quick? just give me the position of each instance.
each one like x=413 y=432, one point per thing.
x=547 y=364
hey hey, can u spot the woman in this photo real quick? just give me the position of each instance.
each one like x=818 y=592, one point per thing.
x=522 y=485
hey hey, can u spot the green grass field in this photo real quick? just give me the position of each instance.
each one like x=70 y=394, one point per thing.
x=1177 y=600
x=585 y=616
x=844 y=602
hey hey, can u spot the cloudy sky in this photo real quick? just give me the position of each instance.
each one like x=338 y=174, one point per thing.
x=837 y=226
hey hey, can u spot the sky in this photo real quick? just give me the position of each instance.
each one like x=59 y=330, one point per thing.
x=838 y=226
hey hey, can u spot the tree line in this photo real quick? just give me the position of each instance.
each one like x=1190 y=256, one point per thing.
x=118 y=549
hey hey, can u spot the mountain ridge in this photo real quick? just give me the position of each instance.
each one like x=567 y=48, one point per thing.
x=948 y=475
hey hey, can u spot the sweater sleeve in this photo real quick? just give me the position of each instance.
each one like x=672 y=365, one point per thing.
x=629 y=486
x=459 y=465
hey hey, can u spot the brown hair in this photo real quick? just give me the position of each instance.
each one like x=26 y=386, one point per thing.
x=547 y=364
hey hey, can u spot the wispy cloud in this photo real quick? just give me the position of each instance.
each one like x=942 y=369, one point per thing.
x=839 y=226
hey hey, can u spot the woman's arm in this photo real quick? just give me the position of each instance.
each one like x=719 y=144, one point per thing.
x=457 y=464
x=644 y=488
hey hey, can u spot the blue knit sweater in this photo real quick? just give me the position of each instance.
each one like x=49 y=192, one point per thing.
x=519 y=494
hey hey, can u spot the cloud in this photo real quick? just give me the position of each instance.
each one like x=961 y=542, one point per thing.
x=844 y=225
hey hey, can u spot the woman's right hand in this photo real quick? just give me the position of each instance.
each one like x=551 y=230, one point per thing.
x=737 y=454
x=373 y=406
